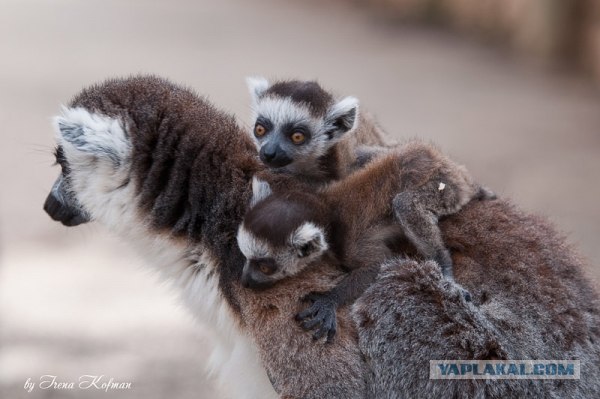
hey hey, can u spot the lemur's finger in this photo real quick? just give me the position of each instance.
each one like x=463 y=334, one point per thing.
x=308 y=312
x=331 y=333
x=320 y=333
x=310 y=324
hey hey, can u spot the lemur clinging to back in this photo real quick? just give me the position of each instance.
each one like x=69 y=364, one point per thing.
x=352 y=222
x=300 y=129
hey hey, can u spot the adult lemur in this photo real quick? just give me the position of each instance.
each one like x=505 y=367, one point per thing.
x=172 y=174
x=164 y=168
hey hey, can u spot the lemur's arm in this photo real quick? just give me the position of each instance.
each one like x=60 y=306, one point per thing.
x=363 y=256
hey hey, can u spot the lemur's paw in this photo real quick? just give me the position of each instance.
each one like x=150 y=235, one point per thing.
x=320 y=315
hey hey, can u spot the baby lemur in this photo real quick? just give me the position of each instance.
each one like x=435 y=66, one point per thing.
x=301 y=129
x=353 y=222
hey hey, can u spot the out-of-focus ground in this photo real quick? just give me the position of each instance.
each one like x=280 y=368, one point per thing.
x=77 y=301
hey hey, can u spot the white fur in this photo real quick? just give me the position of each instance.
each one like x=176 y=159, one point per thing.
x=97 y=132
x=307 y=232
x=282 y=110
x=102 y=187
x=95 y=178
x=342 y=107
x=257 y=85
x=260 y=190
x=251 y=246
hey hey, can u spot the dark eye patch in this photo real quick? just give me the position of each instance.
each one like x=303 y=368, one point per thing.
x=266 y=266
x=291 y=128
x=265 y=122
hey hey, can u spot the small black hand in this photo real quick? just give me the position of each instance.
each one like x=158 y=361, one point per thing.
x=320 y=314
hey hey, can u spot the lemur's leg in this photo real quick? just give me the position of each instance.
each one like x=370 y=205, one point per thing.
x=321 y=313
x=420 y=225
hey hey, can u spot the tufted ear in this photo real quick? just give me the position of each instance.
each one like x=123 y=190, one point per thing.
x=308 y=239
x=82 y=133
x=260 y=190
x=257 y=87
x=342 y=117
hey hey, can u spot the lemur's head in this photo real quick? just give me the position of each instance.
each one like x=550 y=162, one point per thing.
x=280 y=236
x=61 y=204
x=297 y=122
x=93 y=152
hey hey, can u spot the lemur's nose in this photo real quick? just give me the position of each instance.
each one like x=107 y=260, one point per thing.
x=269 y=155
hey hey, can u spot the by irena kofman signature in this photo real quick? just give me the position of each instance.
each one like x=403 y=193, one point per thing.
x=87 y=381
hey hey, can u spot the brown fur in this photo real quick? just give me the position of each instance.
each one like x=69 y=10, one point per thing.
x=299 y=366
x=410 y=177
x=358 y=216
x=356 y=148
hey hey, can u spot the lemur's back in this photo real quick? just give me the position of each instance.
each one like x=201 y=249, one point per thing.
x=364 y=200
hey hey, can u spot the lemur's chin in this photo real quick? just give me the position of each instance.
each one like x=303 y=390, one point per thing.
x=75 y=220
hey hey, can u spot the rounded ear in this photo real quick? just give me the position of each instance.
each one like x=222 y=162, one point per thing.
x=83 y=133
x=342 y=117
x=260 y=190
x=257 y=86
x=308 y=239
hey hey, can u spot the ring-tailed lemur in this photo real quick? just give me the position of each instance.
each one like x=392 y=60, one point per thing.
x=301 y=129
x=353 y=221
x=171 y=173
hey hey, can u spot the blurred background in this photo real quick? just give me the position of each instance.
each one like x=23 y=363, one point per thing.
x=507 y=87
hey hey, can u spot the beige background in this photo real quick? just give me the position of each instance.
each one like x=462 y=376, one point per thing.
x=77 y=301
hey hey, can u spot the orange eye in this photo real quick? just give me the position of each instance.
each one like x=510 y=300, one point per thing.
x=265 y=269
x=298 y=138
x=259 y=130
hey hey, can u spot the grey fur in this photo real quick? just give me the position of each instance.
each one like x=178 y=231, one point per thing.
x=531 y=301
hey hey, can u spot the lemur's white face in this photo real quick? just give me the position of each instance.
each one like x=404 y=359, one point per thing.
x=287 y=136
x=267 y=264
x=95 y=155
x=291 y=138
